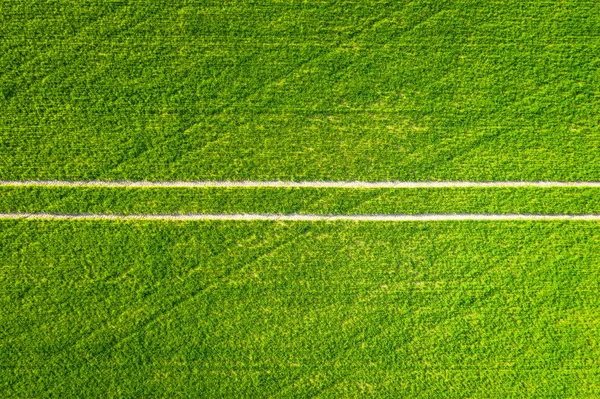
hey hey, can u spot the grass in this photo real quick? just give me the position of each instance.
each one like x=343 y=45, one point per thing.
x=372 y=90
x=234 y=309
x=525 y=200
x=339 y=90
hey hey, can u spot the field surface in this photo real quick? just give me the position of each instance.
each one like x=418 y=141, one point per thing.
x=297 y=91
x=234 y=309
x=119 y=201
x=300 y=90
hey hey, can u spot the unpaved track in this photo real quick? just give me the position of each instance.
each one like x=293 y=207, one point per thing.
x=296 y=217
x=289 y=184
x=293 y=217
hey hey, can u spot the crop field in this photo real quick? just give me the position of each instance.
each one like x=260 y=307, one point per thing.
x=300 y=90
x=300 y=199
x=234 y=309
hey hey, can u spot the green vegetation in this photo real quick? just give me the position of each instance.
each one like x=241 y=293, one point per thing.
x=336 y=90
x=266 y=309
x=372 y=90
x=299 y=200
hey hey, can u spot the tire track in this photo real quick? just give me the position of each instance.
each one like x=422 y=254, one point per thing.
x=297 y=217
x=295 y=184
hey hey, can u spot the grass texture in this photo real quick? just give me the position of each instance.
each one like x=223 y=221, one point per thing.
x=272 y=309
x=299 y=90
x=80 y=200
x=267 y=90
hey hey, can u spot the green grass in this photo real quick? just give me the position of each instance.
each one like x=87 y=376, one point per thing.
x=300 y=200
x=235 y=309
x=338 y=90
x=299 y=90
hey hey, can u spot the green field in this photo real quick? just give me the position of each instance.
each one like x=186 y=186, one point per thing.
x=234 y=309
x=293 y=90
x=299 y=90
x=320 y=201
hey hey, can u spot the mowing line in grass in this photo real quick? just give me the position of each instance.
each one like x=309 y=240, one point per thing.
x=297 y=217
x=294 y=184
